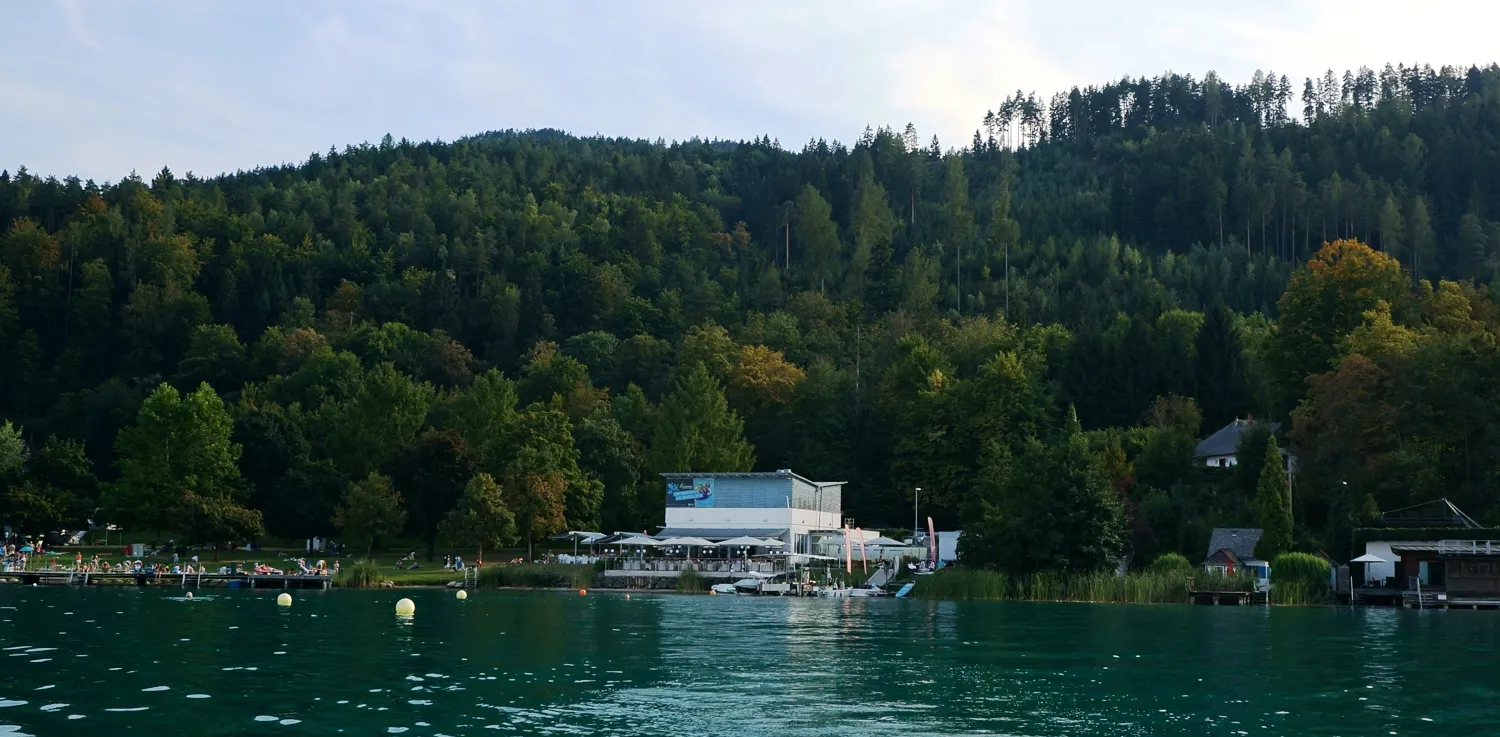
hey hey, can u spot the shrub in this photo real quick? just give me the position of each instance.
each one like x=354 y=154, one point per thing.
x=363 y=574
x=1176 y=563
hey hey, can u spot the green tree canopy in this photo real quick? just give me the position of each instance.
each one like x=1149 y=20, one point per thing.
x=695 y=429
x=1273 y=506
x=370 y=511
x=177 y=463
x=481 y=517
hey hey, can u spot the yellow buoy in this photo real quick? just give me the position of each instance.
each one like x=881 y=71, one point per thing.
x=711 y=592
x=405 y=606
x=284 y=599
x=461 y=595
x=583 y=592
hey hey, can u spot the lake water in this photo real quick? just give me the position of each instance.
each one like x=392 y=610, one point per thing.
x=112 y=660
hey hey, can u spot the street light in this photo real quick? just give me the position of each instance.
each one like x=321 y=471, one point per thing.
x=914 y=515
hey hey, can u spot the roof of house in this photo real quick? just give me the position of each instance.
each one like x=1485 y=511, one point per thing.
x=782 y=474
x=1222 y=556
x=1436 y=513
x=1238 y=540
x=1227 y=439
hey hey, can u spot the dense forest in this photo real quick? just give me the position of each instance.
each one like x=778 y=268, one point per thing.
x=1034 y=328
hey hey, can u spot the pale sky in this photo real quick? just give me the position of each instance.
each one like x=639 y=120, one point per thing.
x=98 y=89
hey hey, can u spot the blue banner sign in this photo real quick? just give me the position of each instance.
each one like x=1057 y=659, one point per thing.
x=695 y=493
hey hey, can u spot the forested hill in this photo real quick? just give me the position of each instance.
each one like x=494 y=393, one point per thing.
x=576 y=315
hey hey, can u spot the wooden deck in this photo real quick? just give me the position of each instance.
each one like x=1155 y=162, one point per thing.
x=183 y=580
x=1223 y=598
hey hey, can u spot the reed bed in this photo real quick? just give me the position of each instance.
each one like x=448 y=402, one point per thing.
x=362 y=574
x=537 y=576
x=1300 y=579
x=1133 y=588
x=689 y=582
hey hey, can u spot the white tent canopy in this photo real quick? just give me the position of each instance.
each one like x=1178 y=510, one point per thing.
x=884 y=541
x=1369 y=558
x=772 y=543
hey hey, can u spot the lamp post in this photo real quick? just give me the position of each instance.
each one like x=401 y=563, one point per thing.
x=914 y=515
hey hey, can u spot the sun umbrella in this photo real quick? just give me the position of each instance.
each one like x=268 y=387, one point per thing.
x=26 y=549
x=642 y=541
x=743 y=542
x=1369 y=558
x=688 y=542
x=884 y=541
x=772 y=542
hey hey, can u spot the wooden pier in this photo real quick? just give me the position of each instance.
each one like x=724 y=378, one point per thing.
x=1229 y=598
x=183 y=580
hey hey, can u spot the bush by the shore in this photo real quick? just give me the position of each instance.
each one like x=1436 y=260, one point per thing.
x=1171 y=563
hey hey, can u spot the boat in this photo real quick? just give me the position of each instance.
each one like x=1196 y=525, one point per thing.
x=905 y=590
x=723 y=588
x=867 y=591
x=762 y=584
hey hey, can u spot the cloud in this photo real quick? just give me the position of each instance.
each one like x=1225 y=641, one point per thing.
x=211 y=87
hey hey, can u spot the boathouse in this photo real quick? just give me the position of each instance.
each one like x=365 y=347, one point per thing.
x=771 y=504
x=1425 y=555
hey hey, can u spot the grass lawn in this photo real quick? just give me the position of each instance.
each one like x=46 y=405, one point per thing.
x=283 y=556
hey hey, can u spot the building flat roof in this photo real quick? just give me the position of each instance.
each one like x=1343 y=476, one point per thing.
x=718 y=534
x=785 y=474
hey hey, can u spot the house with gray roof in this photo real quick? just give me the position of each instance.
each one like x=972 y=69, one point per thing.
x=1232 y=550
x=1218 y=450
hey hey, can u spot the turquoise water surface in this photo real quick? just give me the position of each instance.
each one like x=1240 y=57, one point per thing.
x=111 y=660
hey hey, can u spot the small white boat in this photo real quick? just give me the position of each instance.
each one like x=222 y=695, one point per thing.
x=723 y=588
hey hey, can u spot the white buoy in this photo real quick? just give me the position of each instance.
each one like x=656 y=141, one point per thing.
x=190 y=594
x=405 y=607
x=284 y=599
x=461 y=595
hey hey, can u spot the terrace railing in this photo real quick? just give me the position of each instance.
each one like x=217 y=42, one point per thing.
x=702 y=566
x=1469 y=547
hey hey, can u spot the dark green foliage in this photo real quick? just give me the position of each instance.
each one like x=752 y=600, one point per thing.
x=1054 y=511
x=431 y=474
x=1273 y=507
x=934 y=314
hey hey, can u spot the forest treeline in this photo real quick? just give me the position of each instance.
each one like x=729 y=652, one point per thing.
x=1034 y=328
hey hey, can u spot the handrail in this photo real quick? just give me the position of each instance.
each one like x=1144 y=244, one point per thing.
x=1468 y=547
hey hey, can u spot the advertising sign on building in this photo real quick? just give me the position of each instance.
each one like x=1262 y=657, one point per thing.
x=695 y=493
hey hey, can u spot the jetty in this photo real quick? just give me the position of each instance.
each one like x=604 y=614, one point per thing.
x=183 y=580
